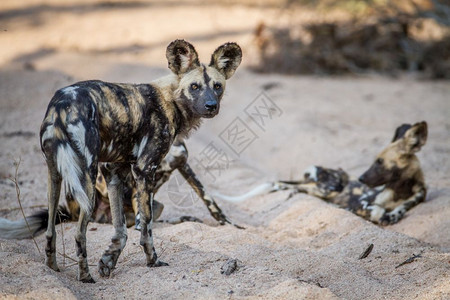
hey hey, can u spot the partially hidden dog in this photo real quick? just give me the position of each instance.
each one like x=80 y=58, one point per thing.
x=383 y=194
x=130 y=128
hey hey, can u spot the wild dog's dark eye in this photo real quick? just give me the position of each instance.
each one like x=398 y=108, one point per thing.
x=379 y=161
x=217 y=86
x=194 y=86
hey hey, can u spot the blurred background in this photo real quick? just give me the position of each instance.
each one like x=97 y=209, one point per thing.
x=284 y=36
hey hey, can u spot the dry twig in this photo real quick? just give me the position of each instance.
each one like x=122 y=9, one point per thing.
x=366 y=252
x=16 y=184
x=409 y=260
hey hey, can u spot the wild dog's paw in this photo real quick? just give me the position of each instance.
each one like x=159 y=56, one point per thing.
x=393 y=216
x=87 y=279
x=158 y=263
x=388 y=219
x=107 y=263
x=376 y=213
x=104 y=269
x=385 y=220
x=51 y=263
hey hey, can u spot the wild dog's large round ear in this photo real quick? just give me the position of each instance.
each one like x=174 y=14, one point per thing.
x=181 y=56
x=400 y=132
x=226 y=59
x=416 y=137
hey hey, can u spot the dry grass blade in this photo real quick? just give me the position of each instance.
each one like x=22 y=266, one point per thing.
x=16 y=184
x=63 y=243
x=66 y=256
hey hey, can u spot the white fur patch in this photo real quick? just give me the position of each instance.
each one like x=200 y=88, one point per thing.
x=165 y=164
x=312 y=171
x=222 y=62
x=376 y=212
x=78 y=133
x=185 y=61
x=70 y=91
x=177 y=150
x=110 y=147
x=68 y=167
x=384 y=197
x=48 y=133
x=138 y=149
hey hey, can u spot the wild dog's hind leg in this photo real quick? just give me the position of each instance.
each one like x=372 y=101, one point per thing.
x=115 y=176
x=54 y=189
x=145 y=186
x=83 y=221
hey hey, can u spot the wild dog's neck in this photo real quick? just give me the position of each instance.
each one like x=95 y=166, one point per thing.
x=178 y=110
x=405 y=182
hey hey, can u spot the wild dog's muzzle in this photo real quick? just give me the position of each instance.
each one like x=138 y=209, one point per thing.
x=211 y=105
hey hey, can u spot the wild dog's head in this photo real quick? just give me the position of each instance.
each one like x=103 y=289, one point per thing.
x=201 y=87
x=398 y=160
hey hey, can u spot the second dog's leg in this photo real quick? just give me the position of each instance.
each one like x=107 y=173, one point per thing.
x=145 y=186
x=115 y=176
x=197 y=186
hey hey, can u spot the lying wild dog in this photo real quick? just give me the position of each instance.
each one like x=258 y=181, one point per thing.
x=176 y=159
x=390 y=187
x=129 y=127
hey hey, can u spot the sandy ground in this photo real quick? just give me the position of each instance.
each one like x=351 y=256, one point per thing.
x=296 y=248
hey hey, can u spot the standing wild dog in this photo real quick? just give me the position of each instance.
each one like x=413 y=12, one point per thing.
x=131 y=128
x=390 y=187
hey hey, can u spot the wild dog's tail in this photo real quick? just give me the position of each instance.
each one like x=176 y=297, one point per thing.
x=257 y=191
x=68 y=167
x=17 y=230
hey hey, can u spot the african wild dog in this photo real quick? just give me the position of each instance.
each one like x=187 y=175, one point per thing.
x=390 y=187
x=176 y=159
x=131 y=128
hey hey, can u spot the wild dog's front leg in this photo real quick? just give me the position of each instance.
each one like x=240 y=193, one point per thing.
x=115 y=175
x=145 y=185
x=377 y=209
x=398 y=212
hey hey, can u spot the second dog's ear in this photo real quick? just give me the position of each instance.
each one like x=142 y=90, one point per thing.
x=416 y=137
x=182 y=57
x=226 y=59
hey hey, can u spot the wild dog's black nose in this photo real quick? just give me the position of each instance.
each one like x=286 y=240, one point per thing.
x=362 y=178
x=211 y=106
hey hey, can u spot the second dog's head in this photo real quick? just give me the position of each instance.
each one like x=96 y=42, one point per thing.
x=398 y=160
x=201 y=86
